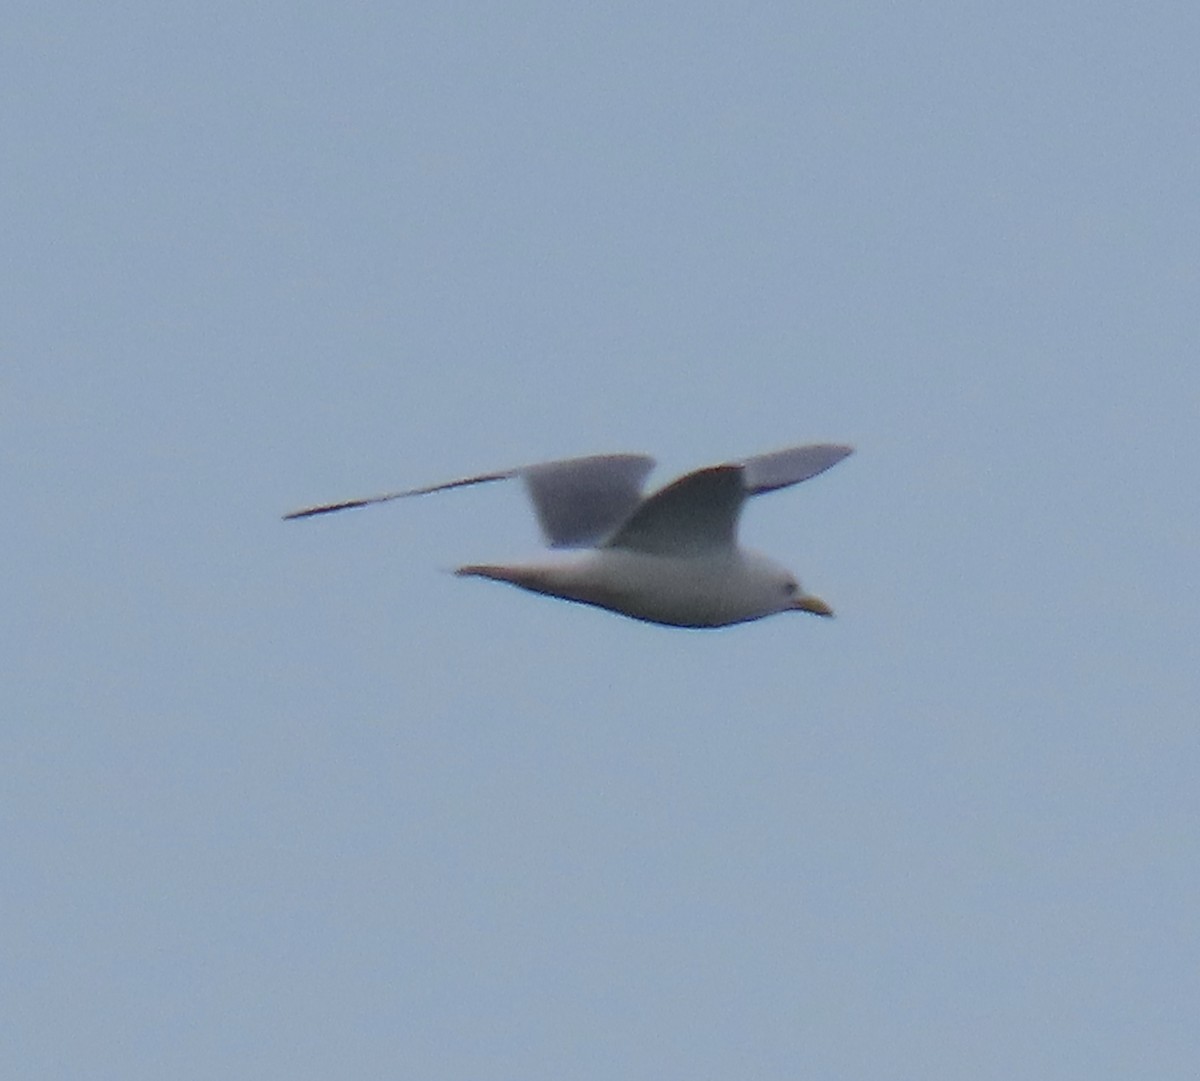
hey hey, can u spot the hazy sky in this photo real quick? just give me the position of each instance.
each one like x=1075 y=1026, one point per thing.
x=287 y=801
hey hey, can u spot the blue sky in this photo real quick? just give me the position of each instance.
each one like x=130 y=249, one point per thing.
x=285 y=800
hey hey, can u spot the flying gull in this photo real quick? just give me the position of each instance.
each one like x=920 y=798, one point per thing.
x=671 y=557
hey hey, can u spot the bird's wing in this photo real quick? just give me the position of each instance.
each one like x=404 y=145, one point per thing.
x=781 y=468
x=699 y=512
x=694 y=515
x=366 y=501
x=578 y=501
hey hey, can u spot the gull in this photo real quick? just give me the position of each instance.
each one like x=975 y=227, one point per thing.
x=671 y=557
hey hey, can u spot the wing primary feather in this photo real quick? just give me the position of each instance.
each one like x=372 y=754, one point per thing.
x=694 y=515
x=387 y=497
x=329 y=508
x=579 y=501
x=783 y=468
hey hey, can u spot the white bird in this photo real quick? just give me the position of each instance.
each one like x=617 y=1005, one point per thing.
x=671 y=557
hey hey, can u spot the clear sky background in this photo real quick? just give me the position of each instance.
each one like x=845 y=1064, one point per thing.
x=286 y=801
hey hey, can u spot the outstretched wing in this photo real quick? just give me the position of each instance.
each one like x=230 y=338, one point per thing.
x=698 y=513
x=366 y=501
x=581 y=501
x=694 y=515
x=578 y=501
x=783 y=468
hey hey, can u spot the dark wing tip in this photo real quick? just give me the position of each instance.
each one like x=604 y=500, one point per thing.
x=387 y=497
x=327 y=508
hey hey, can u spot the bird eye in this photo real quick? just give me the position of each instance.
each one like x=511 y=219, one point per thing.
x=790 y=588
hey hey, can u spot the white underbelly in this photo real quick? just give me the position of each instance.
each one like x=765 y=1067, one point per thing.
x=699 y=591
